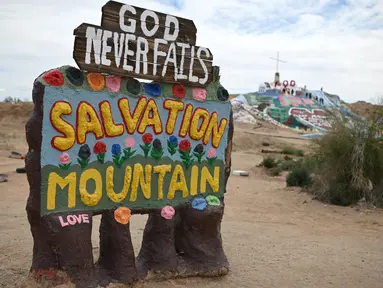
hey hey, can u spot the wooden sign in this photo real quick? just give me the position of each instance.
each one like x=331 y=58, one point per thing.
x=136 y=42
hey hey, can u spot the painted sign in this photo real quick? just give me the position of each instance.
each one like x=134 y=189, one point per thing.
x=316 y=117
x=114 y=142
x=141 y=43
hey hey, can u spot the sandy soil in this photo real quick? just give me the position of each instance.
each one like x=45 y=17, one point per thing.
x=273 y=236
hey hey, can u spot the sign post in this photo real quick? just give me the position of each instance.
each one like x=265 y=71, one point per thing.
x=103 y=142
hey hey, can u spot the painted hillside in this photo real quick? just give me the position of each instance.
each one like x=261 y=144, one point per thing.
x=289 y=105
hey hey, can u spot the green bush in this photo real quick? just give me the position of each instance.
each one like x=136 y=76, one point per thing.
x=348 y=161
x=275 y=171
x=288 y=165
x=269 y=162
x=299 y=176
x=292 y=151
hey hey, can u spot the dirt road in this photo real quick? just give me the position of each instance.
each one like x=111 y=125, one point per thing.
x=273 y=236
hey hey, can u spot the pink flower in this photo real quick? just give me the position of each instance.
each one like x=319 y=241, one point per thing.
x=130 y=142
x=168 y=212
x=211 y=153
x=64 y=158
x=113 y=83
x=199 y=94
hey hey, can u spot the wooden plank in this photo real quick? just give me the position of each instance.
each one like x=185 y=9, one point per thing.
x=79 y=55
x=110 y=20
x=80 y=46
x=80 y=31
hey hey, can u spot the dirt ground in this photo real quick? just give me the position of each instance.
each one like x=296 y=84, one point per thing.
x=273 y=236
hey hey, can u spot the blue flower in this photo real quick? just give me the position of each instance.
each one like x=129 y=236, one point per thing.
x=199 y=203
x=152 y=89
x=173 y=140
x=116 y=149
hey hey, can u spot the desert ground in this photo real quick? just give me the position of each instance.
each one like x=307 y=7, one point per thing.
x=273 y=236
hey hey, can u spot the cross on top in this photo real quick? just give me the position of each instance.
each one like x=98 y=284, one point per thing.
x=278 y=60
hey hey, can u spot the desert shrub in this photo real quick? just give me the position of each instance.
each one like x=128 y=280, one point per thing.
x=288 y=165
x=275 y=171
x=266 y=144
x=350 y=161
x=269 y=162
x=299 y=176
x=288 y=150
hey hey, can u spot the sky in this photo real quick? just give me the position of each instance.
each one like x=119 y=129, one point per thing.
x=337 y=45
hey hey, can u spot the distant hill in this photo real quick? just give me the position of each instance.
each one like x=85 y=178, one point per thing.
x=365 y=109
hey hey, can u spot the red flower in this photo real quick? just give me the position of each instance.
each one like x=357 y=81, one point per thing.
x=54 y=78
x=99 y=148
x=179 y=91
x=147 y=138
x=184 y=145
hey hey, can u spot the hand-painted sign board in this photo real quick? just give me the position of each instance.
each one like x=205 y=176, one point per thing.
x=137 y=42
x=111 y=141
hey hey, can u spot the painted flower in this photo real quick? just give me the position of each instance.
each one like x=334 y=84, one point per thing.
x=84 y=152
x=222 y=94
x=113 y=83
x=54 y=78
x=185 y=154
x=157 y=144
x=213 y=200
x=152 y=89
x=64 y=158
x=122 y=215
x=147 y=138
x=199 y=152
x=75 y=76
x=96 y=81
x=130 y=142
x=172 y=144
x=184 y=145
x=173 y=140
x=83 y=155
x=211 y=153
x=116 y=149
x=168 y=212
x=211 y=156
x=179 y=91
x=199 y=203
x=199 y=94
x=99 y=148
x=157 y=150
x=133 y=86
x=198 y=148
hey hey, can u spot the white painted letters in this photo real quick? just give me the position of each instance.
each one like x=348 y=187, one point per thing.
x=119 y=39
x=172 y=59
x=200 y=49
x=132 y=27
x=106 y=48
x=181 y=75
x=192 y=78
x=74 y=219
x=142 y=50
x=128 y=52
x=171 y=19
x=158 y=53
x=93 y=37
x=144 y=28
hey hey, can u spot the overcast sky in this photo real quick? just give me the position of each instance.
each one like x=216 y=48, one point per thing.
x=334 y=44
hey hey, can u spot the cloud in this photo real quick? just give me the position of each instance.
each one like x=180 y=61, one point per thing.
x=334 y=44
